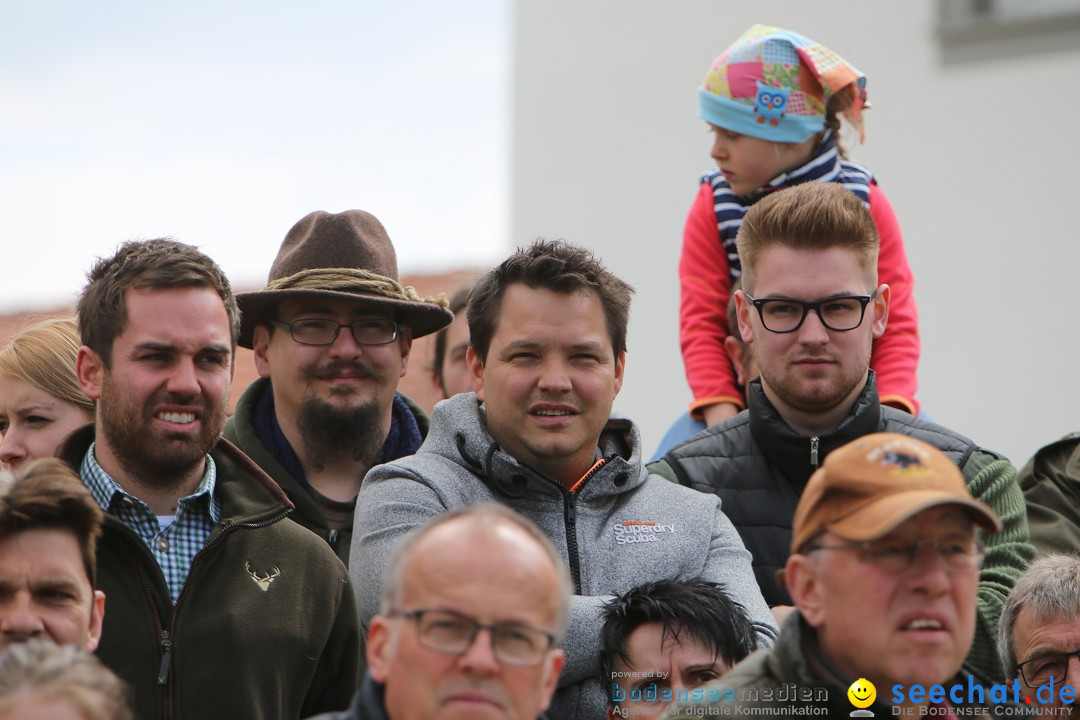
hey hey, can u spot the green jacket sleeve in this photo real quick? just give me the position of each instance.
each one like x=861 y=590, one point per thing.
x=1051 y=486
x=663 y=469
x=342 y=664
x=992 y=480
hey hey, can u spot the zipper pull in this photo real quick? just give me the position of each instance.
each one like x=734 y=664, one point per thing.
x=814 y=451
x=166 y=658
x=333 y=539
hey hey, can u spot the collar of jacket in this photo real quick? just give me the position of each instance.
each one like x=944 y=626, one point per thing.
x=461 y=422
x=248 y=495
x=798 y=655
x=789 y=450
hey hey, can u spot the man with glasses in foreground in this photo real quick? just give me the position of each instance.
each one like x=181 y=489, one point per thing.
x=883 y=571
x=810 y=308
x=331 y=333
x=1039 y=636
x=474 y=606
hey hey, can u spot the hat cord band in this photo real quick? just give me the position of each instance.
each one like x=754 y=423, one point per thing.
x=353 y=280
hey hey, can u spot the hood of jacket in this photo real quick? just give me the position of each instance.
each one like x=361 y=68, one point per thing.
x=459 y=433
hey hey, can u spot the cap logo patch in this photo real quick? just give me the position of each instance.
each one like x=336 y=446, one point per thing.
x=900 y=458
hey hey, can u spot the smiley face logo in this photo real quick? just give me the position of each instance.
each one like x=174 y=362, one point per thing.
x=862 y=693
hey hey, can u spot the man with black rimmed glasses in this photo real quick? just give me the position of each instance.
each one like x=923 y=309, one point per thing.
x=1039 y=635
x=474 y=606
x=331 y=333
x=883 y=570
x=810 y=309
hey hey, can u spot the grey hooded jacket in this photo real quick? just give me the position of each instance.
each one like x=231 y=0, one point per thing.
x=624 y=527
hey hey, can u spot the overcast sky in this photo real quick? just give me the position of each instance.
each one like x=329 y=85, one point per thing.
x=221 y=123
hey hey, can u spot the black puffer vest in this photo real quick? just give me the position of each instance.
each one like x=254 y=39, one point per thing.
x=758 y=466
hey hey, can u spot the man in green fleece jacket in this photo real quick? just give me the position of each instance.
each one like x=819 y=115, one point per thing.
x=331 y=333
x=219 y=606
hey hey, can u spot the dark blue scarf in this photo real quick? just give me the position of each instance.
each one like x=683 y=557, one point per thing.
x=403 y=439
x=824 y=166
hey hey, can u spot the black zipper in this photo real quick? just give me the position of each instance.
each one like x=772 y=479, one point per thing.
x=571 y=539
x=166 y=658
x=166 y=637
x=571 y=526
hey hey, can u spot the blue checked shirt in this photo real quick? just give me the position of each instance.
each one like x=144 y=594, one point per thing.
x=173 y=547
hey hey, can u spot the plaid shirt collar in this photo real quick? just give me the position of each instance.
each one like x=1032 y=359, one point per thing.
x=107 y=492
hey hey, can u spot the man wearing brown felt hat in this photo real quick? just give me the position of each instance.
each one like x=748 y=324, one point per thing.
x=331 y=333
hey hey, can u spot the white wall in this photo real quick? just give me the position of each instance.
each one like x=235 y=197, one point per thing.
x=979 y=160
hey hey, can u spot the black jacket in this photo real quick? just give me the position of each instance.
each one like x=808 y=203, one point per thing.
x=759 y=466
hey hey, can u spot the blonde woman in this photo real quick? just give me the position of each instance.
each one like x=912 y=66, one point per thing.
x=40 y=399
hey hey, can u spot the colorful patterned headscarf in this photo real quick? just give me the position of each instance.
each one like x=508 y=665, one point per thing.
x=773 y=84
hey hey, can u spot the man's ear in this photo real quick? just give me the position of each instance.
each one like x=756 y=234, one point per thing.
x=380 y=647
x=803 y=581
x=476 y=372
x=405 y=343
x=620 y=367
x=260 y=343
x=97 y=617
x=555 y=661
x=742 y=313
x=90 y=370
x=881 y=310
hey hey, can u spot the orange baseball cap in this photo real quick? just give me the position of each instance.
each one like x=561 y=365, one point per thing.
x=868 y=487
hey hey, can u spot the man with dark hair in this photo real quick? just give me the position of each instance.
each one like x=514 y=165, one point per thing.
x=449 y=370
x=810 y=309
x=548 y=330
x=667 y=637
x=198 y=558
x=331 y=332
x=49 y=527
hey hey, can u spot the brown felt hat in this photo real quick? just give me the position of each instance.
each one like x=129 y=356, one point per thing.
x=341 y=255
x=867 y=488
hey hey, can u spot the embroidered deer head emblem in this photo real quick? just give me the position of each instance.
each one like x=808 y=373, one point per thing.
x=264 y=581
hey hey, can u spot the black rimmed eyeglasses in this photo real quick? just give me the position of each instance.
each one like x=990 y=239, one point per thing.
x=315 y=331
x=836 y=312
x=453 y=633
x=1050 y=668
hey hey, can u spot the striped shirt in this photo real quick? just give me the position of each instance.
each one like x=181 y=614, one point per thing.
x=825 y=166
x=174 y=546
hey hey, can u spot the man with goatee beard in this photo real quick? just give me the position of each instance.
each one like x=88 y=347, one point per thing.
x=198 y=558
x=331 y=333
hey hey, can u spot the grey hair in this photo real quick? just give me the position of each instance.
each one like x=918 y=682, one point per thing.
x=484 y=515
x=1050 y=590
x=42 y=669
